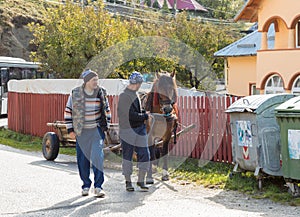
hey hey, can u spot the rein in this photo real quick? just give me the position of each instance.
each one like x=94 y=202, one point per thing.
x=168 y=115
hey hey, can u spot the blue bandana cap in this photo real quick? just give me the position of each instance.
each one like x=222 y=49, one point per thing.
x=136 y=78
x=88 y=75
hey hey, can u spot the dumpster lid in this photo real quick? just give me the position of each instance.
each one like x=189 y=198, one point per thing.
x=292 y=105
x=257 y=103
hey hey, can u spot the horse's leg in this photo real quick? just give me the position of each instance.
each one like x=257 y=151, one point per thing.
x=149 y=178
x=157 y=152
x=165 y=150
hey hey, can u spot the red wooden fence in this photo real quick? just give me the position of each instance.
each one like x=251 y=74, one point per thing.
x=29 y=113
x=210 y=139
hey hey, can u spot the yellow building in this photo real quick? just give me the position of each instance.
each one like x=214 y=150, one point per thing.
x=267 y=60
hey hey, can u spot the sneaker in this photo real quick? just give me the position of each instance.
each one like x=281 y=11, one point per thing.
x=129 y=186
x=99 y=192
x=85 y=192
x=149 y=181
x=142 y=186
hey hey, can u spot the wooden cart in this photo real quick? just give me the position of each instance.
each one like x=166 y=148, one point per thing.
x=52 y=141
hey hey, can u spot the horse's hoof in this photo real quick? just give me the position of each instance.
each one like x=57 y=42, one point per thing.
x=165 y=178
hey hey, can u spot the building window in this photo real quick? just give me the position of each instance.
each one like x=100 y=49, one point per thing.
x=253 y=90
x=271 y=36
x=274 y=85
x=298 y=34
x=296 y=86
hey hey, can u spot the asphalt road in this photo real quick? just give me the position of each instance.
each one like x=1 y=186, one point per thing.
x=32 y=186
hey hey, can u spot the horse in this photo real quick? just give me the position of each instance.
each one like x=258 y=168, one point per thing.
x=161 y=102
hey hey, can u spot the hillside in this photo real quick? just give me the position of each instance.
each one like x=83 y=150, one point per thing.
x=16 y=14
x=14 y=33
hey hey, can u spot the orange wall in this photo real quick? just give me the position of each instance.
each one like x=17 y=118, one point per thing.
x=286 y=9
x=282 y=36
x=283 y=62
x=241 y=72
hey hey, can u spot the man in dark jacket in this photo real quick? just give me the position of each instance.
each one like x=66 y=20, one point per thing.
x=133 y=133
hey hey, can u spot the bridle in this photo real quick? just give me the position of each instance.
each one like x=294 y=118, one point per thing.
x=165 y=102
x=166 y=106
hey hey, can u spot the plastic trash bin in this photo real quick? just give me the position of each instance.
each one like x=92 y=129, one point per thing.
x=256 y=134
x=288 y=118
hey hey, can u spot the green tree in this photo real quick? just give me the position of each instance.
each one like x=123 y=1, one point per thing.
x=222 y=9
x=203 y=37
x=71 y=36
x=148 y=26
x=206 y=39
x=148 y=3
x=155 y=4
x=165 y=8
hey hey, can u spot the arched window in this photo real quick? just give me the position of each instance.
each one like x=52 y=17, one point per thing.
x=274 y=85
x=271 y=36
x=298 y=34
x=296 y=86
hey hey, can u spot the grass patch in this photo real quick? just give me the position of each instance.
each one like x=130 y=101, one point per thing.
x=211 y=175
x=27 y=142
x=217 y=175
x=20 y=141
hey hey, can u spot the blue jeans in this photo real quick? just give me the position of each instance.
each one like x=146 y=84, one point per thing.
x=89 y=148
x=134 y=140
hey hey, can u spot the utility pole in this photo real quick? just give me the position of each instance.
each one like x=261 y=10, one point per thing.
x=175 y=7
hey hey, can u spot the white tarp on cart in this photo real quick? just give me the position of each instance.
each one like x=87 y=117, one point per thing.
x=64 y=86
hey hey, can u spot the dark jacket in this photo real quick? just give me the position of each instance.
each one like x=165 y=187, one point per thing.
x=130 y=112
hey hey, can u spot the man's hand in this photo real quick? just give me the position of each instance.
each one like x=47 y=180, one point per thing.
x=148 y=114
x=72 y=135
x=149 y=119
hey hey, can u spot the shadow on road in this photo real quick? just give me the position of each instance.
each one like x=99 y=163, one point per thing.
x=117 y=201
x=70 y=167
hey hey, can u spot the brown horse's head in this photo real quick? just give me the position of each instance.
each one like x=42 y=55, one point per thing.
x=166 y=91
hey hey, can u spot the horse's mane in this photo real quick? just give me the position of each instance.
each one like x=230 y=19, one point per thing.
x=152 y=97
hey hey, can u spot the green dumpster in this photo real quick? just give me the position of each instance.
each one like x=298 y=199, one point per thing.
x=288 y=118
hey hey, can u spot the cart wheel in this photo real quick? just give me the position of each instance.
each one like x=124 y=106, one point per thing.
x=50 y=146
